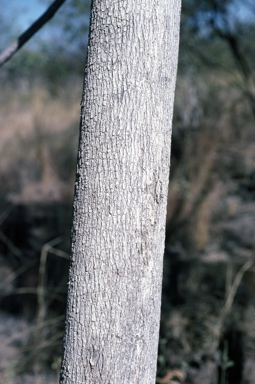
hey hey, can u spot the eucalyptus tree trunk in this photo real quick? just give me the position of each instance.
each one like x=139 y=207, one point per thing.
x=114 y=295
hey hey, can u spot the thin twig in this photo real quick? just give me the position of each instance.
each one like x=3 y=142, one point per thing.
x=42 y=277
x=9 y=339
x=12 y=247
x=35 y=27
x=6 y=212
x=233 y=289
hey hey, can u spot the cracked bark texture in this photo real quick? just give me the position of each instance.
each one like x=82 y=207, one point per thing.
x=114 y=293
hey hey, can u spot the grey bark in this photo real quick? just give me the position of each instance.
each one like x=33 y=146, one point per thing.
x=114 y=295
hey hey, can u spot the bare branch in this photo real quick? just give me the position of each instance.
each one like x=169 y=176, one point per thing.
x=25 y=36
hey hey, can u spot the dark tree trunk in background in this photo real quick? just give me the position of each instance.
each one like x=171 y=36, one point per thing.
x=118 y=235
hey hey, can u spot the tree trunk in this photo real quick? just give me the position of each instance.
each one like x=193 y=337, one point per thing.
x=114 y=296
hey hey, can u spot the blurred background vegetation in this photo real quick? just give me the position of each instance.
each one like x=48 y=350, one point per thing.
x=208 y=308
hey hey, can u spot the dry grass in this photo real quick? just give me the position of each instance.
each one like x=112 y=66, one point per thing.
x=38 y=144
